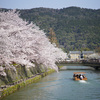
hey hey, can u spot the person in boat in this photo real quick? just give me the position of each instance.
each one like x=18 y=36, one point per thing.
x=81 y=77
x=84 y=76
x=74 y=75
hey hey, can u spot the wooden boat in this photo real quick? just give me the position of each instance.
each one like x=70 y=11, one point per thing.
x=79 y=76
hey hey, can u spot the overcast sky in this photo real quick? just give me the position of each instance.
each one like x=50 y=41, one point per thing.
x=27 y=4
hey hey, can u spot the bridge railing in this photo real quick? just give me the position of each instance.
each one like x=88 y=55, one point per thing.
x=92 y=61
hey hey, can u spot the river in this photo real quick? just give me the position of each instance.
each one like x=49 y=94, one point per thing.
x=61 y=86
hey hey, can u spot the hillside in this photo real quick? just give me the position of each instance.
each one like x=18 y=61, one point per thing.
x=76 y=28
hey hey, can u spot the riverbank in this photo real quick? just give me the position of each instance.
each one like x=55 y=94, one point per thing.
x=9 y=89
x=61 y=86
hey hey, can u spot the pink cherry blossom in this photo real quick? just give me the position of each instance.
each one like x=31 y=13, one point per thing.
x=25 y=43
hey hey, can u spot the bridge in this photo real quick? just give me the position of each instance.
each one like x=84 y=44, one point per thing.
x=92 y=63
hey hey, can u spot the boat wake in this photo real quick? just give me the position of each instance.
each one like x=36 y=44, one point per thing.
x=82 y=81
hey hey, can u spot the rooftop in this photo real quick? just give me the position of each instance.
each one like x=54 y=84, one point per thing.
x=87 y=52
x=75 y=52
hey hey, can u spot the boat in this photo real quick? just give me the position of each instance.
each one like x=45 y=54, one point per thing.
x=79 y=76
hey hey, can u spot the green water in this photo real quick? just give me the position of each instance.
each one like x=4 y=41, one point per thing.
x=61 y=86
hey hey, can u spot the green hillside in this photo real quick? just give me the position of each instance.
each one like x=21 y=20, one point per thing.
x=75 y=28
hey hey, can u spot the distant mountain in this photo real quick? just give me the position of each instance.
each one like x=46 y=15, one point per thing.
x=76 y=28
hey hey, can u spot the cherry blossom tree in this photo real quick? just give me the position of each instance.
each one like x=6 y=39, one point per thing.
x=25 y=43
x=94 y=56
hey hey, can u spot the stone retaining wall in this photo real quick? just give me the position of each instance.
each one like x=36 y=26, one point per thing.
x=9 y=89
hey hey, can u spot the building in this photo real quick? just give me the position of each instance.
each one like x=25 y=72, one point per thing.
x=75 y=55
x=87 y=53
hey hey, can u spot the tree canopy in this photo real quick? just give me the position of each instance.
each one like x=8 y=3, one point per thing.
x=25 y=44
x=75 y=28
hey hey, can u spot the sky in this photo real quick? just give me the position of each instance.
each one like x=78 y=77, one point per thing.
x=56 y=4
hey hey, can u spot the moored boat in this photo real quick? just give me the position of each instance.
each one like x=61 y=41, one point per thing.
x=79 y=76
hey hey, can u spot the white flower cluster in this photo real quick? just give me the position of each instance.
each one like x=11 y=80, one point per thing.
x=25 y=43
x=94 y=56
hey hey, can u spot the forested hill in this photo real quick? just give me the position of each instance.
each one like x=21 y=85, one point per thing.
x=76 y=28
